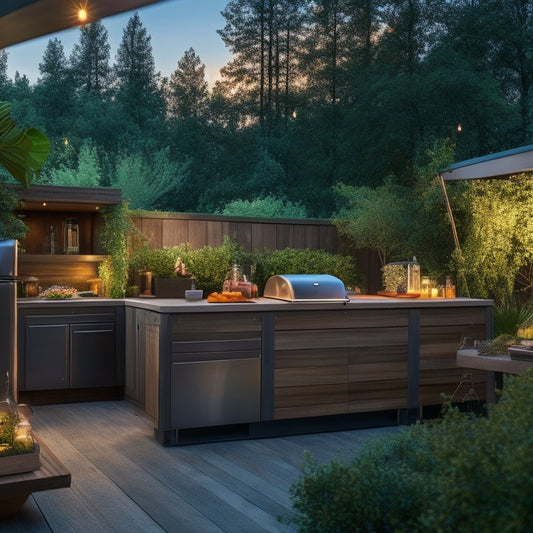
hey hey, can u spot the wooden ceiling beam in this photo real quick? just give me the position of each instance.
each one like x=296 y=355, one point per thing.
x=22 y=20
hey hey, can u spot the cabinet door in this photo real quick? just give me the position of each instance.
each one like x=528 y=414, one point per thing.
x=93 y=355
x=47 y=356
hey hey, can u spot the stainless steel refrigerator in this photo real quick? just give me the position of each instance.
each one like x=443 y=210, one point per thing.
x=8 y=317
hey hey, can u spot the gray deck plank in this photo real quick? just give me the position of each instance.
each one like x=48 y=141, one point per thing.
x=123 y=480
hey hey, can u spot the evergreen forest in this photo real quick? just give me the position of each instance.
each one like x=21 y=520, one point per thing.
x=317 y=94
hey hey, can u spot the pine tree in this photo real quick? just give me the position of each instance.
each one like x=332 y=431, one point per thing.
x=90 y=58
x=187 y=89
x=5 y=84
x=138 y=89
x=53 y=92
x=262 y=36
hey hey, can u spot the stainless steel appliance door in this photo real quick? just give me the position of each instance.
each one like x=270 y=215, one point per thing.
x=8 y=315
x=215 y=393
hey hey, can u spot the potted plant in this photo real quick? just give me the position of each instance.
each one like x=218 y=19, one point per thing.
x=169 y=280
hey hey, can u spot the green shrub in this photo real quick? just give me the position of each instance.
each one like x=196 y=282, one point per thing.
x=459 y=474
x=161 y=262
x=383 y=488
x=484 y=478
x=209 y=264
x=295 y=261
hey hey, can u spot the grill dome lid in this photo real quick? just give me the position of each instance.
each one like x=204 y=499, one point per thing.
x=305 y=288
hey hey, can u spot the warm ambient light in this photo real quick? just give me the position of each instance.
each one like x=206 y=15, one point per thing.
x=82 y=15
x=459 y=127
x=44 y=204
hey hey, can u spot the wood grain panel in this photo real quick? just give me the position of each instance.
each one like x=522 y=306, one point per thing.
x=175 y=232
x=299 y=237
x=467 y=316
x=244 y=236
x=153 y=229
x=256 y=235
x=330 y=338
x=322 y=375
x=432 y=337
x=303 y=411
x=310 y=395
x=328 y=239
x=312 y=400
x=72 y=271
x=378 y=396
x=378 y=371
x=193 y=326
x=269 y=238
x=435 y=383
x=382 y=354
x=197 y=233
x=214 y=233
x=341 y=319
x=313 y=357
x=312 y=237
x=284 y=236
x=152 y=369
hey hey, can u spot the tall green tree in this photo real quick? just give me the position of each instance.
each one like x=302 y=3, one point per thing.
x=5 y=84
x=145 y=182
x=261 y=35
x=54 y=90
x=188 y=93
x=138 y=91
x=90 y=57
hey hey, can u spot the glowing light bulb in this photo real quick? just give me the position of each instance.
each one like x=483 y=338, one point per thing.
x=82 y=15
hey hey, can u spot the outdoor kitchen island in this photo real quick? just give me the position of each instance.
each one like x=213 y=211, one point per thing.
x=207 y=371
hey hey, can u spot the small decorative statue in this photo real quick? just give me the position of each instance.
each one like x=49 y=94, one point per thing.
x=181 y=269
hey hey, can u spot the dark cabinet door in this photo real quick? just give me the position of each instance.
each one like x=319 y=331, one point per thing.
x=93 y=355
x=47 y=356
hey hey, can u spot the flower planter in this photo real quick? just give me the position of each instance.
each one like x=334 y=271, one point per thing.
x=171 y=287
x=21 y=462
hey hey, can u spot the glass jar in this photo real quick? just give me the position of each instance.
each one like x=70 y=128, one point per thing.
x=31 y=287
x=425 y=287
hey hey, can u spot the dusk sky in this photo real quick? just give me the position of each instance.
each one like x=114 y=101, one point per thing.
x=174 y=27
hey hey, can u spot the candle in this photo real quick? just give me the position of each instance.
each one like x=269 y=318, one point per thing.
x=434 y=292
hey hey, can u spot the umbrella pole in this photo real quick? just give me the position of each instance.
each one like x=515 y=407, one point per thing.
x=454 y=231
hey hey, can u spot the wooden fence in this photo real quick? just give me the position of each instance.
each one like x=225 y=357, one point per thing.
x=170 y=229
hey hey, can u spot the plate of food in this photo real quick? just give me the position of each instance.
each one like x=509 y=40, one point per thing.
x=231 y=297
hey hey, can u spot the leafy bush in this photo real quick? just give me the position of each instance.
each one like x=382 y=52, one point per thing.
x=11 y=225
x=382 y=489
x=269 y=206
x=161 y=262
x=294 y=261
x=209 y=264
x=459 y=474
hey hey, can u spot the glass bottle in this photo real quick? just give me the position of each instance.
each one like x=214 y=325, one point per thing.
x=413 y=276
x=425 y=287
x=449 y=288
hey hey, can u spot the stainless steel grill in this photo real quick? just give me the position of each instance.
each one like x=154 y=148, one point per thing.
x=305 y=288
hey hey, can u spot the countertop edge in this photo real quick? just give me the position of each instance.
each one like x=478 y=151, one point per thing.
x=180 y=305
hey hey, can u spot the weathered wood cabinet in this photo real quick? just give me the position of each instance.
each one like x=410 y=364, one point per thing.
x=320 y=364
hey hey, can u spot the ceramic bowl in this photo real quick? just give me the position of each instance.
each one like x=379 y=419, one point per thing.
x=194 y=294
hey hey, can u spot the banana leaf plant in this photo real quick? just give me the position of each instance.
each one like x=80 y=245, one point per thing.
x=22 y=152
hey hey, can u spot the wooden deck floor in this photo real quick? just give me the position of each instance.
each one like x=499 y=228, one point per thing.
x=124 y=481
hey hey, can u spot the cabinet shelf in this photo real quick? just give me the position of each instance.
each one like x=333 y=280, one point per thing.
x=27 y=259
x=69 y=270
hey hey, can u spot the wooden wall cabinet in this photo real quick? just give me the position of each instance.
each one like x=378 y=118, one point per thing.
x=44 y=207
